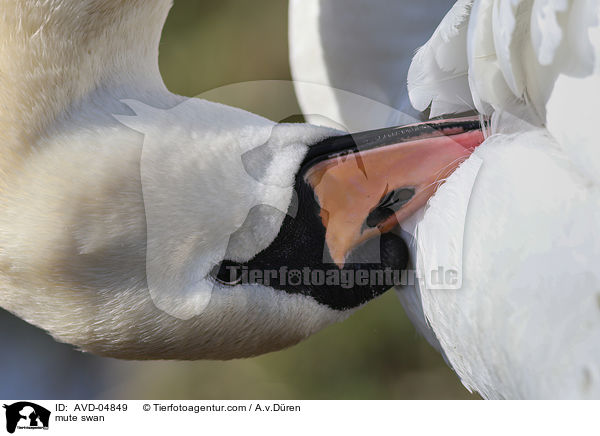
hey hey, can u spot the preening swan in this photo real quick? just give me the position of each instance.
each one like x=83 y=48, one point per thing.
x=82 y=103
x=124 y=208
x=526 y=321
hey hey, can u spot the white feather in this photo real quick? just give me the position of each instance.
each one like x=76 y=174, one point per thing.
x=525 y=323
x=573 y=105
x=438 y=73
x=546 y=32
x=506 y=36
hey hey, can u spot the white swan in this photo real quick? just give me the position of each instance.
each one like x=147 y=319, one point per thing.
x=526 y=321
x=119 y=200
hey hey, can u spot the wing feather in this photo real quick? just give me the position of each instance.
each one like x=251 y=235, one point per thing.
x=438 y=73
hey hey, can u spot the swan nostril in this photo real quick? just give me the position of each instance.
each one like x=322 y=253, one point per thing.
x=378 y=215
x=389 y=205
x=404 y=195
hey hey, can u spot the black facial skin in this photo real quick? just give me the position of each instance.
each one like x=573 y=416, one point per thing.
x=300 y=243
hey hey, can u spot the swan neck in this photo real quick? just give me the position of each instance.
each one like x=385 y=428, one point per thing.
x=55 y=53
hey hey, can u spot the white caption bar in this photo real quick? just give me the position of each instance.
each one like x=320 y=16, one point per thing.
x=298 y=417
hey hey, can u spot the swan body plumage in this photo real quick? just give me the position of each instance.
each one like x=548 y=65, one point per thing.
x=531 y=325
x=525 y=323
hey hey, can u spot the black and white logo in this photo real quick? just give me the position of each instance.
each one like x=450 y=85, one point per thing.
x=26 y=416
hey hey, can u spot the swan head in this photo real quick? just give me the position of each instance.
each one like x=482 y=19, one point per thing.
x=260 y=234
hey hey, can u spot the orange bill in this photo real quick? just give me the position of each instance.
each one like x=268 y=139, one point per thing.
x=367 y=183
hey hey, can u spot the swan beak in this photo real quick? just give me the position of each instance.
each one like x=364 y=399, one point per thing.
x=367 y=183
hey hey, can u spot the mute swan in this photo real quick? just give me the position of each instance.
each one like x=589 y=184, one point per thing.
x=124 y=208
x=526 y=321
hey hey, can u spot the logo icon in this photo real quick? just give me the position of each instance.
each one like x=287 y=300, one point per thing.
x=26 y=416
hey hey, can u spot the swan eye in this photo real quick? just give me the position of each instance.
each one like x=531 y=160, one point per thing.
x=389 y=205
x=227 y=273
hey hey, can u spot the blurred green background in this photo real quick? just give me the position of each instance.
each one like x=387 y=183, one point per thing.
x=376 y=354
